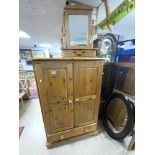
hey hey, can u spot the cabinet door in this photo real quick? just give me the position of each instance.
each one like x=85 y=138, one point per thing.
x=87 y=85
x=55 y=86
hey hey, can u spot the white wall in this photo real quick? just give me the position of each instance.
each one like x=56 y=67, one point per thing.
x=55 y=50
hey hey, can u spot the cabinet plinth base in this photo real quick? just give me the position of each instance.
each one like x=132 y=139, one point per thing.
x=75 y=134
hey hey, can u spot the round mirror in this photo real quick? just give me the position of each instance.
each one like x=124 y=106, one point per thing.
x=118 y=116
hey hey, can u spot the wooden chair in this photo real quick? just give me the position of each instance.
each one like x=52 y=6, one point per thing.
x=23 y=87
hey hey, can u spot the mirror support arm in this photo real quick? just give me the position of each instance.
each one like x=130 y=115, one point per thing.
x=106 y=3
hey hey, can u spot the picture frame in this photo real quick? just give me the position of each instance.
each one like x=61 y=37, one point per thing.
x=38 y=54
x=26 y=54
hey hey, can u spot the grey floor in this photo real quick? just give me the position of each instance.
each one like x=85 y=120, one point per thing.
x=33 y=139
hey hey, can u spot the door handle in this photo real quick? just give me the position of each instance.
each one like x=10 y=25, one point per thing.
x=40 y=80
x=77 y=100
x=70 y=101
x=62 y=137
x=79 y=53
x=71 y=105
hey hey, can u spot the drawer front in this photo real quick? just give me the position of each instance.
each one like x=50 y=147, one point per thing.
x=79 y=53
x=71 y=133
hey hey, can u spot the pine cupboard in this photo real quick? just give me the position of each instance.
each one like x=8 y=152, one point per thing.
x=69 y=92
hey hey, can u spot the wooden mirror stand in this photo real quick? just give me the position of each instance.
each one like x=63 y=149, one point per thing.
x=77 y=37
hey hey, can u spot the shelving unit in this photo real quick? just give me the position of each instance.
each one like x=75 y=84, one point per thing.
x=125 y=55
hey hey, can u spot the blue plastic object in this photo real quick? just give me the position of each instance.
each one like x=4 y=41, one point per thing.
x=123 y=55
x=126 y=52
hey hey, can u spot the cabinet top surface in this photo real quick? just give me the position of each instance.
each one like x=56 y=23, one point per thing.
x=67 y=59
x=79 y=48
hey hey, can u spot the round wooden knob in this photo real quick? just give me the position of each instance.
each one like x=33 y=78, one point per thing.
x=70 y=101
x=76 y=99
x=86 y=130
x=62 y=136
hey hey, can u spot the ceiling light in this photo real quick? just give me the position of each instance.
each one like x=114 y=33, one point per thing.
x=23 y=34
x=45 y=45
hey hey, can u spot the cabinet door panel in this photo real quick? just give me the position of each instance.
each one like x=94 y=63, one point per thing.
x=87 y=81
x=87 y=85
x=85 y=111
x=56 y=93
x=56 y=84
x=60 y=116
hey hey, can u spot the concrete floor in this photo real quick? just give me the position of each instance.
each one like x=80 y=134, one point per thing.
x=33 y=139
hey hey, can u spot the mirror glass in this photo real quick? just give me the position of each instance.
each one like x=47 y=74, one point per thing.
x=78 y=30
x=106 y=49
x=117 y=115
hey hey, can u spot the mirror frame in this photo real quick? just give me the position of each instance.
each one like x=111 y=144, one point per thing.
x=77 y=11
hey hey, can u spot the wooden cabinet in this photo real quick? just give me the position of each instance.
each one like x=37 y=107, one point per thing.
x=69 y=92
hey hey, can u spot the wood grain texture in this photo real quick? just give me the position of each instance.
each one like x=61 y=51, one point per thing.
x=79 y=53
x=61 y=117
x=76 y=10
x=129 y=82
x=98 y=89
x=84 y=112
x=67 y=134
x=70 y=81
x=56 y=81
x=128 y=85
x=70 y=59
x=87 y=85
x=70 y=95
x=44 y=108
x=78 y=7
x=58 y=143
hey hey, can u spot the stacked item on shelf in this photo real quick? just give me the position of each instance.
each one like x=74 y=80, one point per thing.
x=126 y=51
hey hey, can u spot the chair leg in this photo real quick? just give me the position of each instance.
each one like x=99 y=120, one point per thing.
x=132 y=143
x=28 y=96
x=23 y=103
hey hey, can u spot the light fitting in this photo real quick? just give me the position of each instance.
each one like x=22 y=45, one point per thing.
x=45 y=45
x=23 y=34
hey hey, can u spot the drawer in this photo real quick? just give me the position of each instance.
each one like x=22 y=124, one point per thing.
x=79 y=53
x=71 y=133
